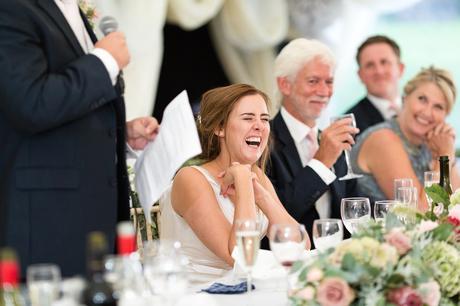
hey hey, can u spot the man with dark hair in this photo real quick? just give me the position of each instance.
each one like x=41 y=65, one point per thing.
x=380 y=69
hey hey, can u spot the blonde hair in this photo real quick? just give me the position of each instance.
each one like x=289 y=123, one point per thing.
x=442 y=78
x=216 y=105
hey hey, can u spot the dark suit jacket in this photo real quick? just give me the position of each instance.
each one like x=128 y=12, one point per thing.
x=62 y=135
x=300 y=187
x=366 y=114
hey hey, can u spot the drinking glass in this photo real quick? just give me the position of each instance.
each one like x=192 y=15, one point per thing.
x=407 y=196
x=247 y=234
x=327 y=233
x=401 y=182
x=43 y=283
x=355 y=211
x=430 y=178
x=350 y=174
x=287 y=242
x=381 y=209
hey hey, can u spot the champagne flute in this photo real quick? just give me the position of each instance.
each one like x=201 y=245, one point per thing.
x=288 y=242
x=355 y=211
x=381 y=209
x=401 y=182
x=43 y=283
x=247 y=234
x=327 y=233
x=350 y=174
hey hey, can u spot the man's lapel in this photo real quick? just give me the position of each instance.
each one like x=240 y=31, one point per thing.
x=88 y=28
x=289 y=149
x=55 y=13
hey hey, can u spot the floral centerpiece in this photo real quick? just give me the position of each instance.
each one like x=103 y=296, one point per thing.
x=417 y=263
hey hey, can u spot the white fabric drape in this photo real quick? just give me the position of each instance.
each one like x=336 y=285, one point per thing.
x=244 y=34
x=142 y=21
x=192 y=14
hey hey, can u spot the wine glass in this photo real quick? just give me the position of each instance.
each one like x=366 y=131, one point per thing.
x=43 y=283
x=350 y=174
x=381 y=209
x=430 y=178
x=327 y=233
x=287 y=242
x=247 y=232
x=355 y=211
x=401 y=182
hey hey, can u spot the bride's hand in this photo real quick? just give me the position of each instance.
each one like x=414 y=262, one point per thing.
x=227 y=186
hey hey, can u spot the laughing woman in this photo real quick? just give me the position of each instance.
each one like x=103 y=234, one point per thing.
x=206 y=200
x=409 y=145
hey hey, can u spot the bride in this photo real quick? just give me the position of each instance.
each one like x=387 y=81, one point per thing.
x=201 y=208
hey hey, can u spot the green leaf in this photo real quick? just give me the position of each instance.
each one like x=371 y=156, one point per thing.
x=392 y=221
x=443 y=231
x=348 y=262
x=395 y=280
x=438 y=194
x=297 y=266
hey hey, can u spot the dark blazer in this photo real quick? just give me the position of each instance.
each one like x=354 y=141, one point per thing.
x=300 y=187
x=62 y=135
x=366 y=114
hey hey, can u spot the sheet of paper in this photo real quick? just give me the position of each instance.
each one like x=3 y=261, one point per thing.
x=176 y=142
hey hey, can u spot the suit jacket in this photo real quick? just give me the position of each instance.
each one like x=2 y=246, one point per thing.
x=62 y=130
x=300 y=187
x=366 y=114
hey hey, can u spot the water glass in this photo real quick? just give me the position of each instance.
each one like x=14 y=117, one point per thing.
x=247 y=232
x=287 y=242
x=407 y=196
x=327 y=233
x=381 y=209
x=401 y=182
x=43 y=283
x=430 y=178
x=355 y=211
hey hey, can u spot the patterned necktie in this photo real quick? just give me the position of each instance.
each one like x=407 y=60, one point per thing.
x=313 y=145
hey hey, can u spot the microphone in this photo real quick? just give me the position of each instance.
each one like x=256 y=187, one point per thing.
x=108 y=24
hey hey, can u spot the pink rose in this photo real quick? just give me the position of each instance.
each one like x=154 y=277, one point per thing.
x=399 y=240
x=426 y=226
x=334 y=291
x=430 y=292
x=454 y=212
x=404 y=296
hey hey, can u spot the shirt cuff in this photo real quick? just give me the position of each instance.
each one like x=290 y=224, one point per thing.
x=324 y=172
x=109 y=62
x=131 y=153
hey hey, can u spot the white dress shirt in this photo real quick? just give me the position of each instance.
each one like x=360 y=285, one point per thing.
x=70 y=10
x=387 y=108
x=298 y=131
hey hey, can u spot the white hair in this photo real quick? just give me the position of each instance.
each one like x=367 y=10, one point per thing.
x=299 y=52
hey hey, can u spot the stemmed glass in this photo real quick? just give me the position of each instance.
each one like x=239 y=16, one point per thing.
x=287 y=242
x=430 y=178
x=350 y=174
x=401 y=182
x=43 y=283
x=327 y=233
x=355 y=211
x=381 y=209
x=247 y=232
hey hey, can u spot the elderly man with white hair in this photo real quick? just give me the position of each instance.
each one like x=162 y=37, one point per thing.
x=305 y=162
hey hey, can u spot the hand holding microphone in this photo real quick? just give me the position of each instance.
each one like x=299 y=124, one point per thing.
x=114 y=41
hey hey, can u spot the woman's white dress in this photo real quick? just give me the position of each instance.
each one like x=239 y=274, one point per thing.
x=204 y=265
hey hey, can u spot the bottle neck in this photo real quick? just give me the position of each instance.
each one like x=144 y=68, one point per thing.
x=444 y=174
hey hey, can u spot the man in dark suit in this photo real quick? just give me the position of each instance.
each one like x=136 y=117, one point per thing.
x=63 y=132
x=380 y=69
x=304 y=173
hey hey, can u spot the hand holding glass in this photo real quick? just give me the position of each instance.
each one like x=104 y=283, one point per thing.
x=350 y=174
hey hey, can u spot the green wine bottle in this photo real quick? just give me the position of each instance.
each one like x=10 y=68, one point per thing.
x=444 y=176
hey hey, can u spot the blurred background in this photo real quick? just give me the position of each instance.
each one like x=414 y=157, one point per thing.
x=200 y=44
